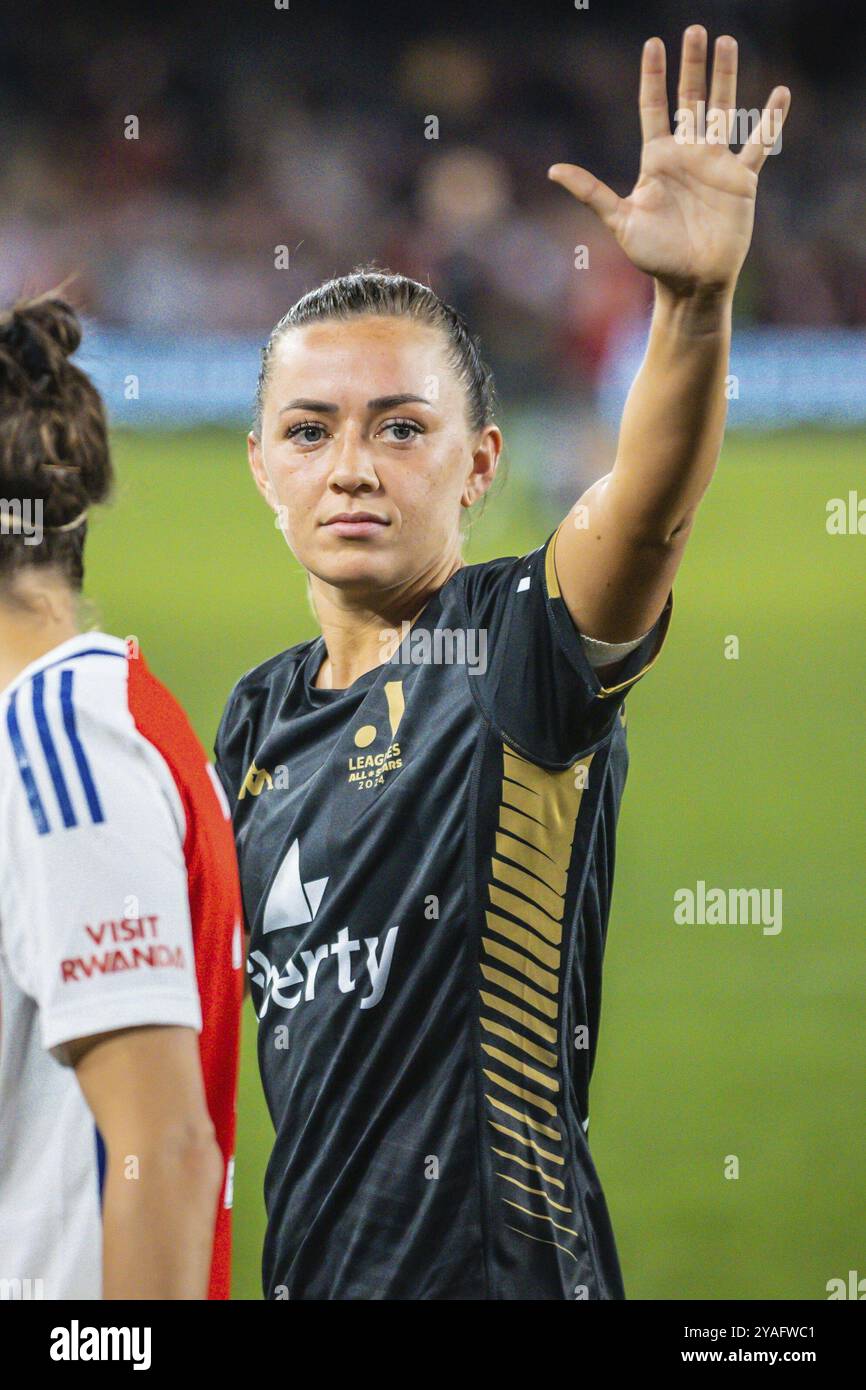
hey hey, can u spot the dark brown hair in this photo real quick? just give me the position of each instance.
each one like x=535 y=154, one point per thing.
x=371 y=290
x=54 y=455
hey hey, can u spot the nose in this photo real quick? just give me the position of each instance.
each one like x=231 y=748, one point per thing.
x=353 y=464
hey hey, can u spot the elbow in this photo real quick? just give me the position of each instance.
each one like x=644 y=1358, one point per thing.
x=178 y=1155
x=667 y=535
x=658 y=523
x=657 y=543
x=677 y=535
x=192 y=1156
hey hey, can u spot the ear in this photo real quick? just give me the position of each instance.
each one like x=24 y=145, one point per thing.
x=259 y=472
x=485 y=460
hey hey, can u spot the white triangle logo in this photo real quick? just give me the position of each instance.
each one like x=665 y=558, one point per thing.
x=291 y=903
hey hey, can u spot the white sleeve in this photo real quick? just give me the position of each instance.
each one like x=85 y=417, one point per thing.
x=94 y=896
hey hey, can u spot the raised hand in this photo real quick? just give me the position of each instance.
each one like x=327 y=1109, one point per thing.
x=688 y=220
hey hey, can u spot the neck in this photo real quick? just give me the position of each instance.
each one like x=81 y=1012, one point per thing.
x=361 y=632
x=39 y=617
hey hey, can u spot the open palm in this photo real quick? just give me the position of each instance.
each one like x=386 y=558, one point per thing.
x=688 y=220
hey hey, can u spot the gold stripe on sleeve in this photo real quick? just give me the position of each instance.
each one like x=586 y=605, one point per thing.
x=521 y=958
x=540 y=1054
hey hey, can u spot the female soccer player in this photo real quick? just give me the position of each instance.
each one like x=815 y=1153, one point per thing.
x=120 y=935
x=425 y=796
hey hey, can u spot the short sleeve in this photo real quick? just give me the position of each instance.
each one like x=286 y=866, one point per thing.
x=536 y=685
x=94 y=896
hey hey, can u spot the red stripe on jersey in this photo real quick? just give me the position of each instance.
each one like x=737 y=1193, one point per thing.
x=215 y=910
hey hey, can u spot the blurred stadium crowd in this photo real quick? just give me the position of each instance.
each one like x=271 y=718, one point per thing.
x=305 y=128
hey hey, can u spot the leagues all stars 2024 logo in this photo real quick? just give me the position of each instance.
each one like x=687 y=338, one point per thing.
x=365 y=770
x=368 y=770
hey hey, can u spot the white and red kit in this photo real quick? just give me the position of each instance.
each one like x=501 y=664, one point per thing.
x=119 y=907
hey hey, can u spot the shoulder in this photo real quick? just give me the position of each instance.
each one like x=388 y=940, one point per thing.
x=485 y=587
x=44 y=713
x=252 y=704
x=488 y=573
x=258 y=684
x=260 y=679
x=71 y=748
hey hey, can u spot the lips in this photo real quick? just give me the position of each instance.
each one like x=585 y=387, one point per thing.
x=356 y=524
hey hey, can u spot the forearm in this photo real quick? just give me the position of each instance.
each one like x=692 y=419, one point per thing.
x=158 y=1226
x=674 y=419
x=688 y=223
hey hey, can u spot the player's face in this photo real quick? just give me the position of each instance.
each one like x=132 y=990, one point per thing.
x=366 y=418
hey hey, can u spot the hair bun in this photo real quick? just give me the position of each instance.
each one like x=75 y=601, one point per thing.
x=53 y=317
x=38 y=332
x=57 y=320
x=53 y=435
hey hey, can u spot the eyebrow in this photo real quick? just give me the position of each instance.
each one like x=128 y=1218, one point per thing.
x=378 y=403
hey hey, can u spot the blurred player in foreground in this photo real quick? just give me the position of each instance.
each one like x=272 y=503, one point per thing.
x=120 y=937
x=426 y=795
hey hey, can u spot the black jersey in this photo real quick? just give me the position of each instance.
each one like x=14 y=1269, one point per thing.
x=426 y=860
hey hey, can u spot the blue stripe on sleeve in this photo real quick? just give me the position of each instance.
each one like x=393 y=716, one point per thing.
x=24 y=768
x=100 y=1162
x=48 y=748
x=95 y=806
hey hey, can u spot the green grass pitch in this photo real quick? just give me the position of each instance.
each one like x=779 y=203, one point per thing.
x=716 y=1040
